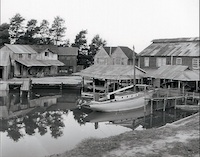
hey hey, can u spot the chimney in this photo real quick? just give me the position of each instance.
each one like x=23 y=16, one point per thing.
x=110 y=51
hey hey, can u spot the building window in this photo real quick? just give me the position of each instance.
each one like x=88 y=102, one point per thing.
x=117 y=60
x=29 y=56
x=146 y=61
x=195 y=63
x=20 y=55
x=160 y=61
x=178 y=61
x=46 y=54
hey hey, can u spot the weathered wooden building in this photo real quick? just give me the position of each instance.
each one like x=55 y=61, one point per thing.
x=120 y=55
x=28 y=61
x=5 y=65
x=68 y=56
x=177 y=51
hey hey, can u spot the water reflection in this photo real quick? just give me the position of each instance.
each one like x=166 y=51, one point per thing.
x=42 y=113
x=53 y=117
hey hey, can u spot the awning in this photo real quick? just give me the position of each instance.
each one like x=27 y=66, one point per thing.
x=112 y=72
x=41 y=63
x=174 y=72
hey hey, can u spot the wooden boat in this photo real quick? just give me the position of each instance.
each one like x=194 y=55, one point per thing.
x=120 y=100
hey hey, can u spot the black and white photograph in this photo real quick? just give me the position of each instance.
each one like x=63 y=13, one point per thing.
x=99 y=78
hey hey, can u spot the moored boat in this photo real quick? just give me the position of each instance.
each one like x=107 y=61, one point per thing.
x=120 y=100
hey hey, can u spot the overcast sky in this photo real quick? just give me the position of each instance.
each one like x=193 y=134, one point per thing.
x=119 y=22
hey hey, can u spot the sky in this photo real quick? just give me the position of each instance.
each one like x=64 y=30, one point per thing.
x=119 y=22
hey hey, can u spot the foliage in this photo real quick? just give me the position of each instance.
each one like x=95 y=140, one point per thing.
x=16 y=29
x=30 y=35
x=95 y=45
x=57 y=29
x=4 y=34
x=80 y=41
x=44 y=33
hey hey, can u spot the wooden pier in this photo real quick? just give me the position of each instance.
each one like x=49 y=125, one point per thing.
x=166 y=98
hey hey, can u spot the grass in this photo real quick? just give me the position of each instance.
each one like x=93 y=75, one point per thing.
x=178 y=139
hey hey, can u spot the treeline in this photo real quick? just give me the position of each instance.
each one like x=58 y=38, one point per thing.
x=15 y=32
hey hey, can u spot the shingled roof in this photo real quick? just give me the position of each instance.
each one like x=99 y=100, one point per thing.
x=110 y=50
x=173 y=47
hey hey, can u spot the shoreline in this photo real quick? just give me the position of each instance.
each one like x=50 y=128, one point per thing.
x=180 y=138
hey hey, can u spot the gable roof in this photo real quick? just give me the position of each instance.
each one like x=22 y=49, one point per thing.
x=68 y=51
x=128 y=52
x=173 y=47
x=41 y=48
x=112 y=72
x=109 y=50
x=20 y=49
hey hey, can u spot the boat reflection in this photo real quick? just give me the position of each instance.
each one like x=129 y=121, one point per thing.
x=136 y=119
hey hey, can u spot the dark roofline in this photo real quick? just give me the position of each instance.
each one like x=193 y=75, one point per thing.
x=174 y=40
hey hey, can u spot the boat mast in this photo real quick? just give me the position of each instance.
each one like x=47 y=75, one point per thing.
x=134 y=79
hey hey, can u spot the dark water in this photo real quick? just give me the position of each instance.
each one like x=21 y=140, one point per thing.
x=49 y=122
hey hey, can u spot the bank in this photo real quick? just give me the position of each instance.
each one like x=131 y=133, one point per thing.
x=180 y=138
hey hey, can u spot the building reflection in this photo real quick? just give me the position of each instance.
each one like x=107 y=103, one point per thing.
x=40 y=114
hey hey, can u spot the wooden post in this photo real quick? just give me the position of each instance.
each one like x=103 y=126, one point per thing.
x=164 y=104
x=185 y=100
x=151 y=106
x=196 y=86
x=93 y=88
x=175 y=103
x=61 y=86
x=83 y=84
x=105 y=86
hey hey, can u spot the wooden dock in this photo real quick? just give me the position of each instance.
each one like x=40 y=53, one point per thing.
x=173 y=98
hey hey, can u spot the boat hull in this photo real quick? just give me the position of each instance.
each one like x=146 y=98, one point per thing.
x=120 y=105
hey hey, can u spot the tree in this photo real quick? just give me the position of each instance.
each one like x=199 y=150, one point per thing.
x=96 y=43
x=57 y=29
x=80 y=40
x=4 y=34
x=44 y=33
x=81 y=43
x=16 y=28
x=30 y=35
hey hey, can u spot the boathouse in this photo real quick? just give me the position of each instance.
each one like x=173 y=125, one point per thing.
x=106 y=78
x=176 y=76
x=175 y=51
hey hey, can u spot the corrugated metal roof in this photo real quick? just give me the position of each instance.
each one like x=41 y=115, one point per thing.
x=173 y=47
x=174 y=72
x=52 y=62
x=167 y=71
x=188 y=75
x=20 y=48
x=113 y=72
x=68 y=51
x=4 y=58
x=42 y=63
x=41 y=48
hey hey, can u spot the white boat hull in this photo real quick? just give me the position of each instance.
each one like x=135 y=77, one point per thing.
x=120 y=104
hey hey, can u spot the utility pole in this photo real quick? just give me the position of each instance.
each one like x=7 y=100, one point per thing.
x=134 y=77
